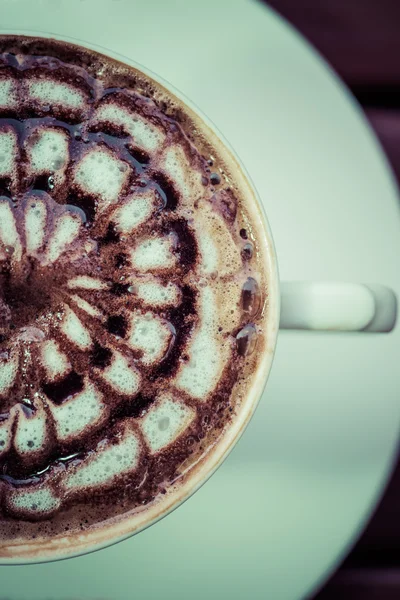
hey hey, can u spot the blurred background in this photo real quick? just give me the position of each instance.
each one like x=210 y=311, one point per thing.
x=361 y=41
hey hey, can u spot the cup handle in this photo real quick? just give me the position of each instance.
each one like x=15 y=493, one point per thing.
x=332 y=306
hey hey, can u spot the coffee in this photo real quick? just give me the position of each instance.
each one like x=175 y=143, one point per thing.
x=132 y=291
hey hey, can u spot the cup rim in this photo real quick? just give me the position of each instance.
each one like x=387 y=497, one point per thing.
x=115 y=532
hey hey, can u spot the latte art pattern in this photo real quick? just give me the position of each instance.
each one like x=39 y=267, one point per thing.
x=119 y=255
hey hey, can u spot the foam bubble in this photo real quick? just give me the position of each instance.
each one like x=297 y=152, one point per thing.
x=75 y=331
x=8 y=152
x=35 y=224
x=30 y=434
x=101 y=174
x=156 y=294
x=154 y=253
x=121 y=375
x=151 y=335
x=65 y=232
x=48 y=92
x=54 y=361
x=8 y=370
x=145 y=135
x=165 y=422
x=8 y=93
x=32 y=502
x=136 y=210
x=107 y=463
x=80 y=414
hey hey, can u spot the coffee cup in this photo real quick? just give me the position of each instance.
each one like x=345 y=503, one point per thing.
x=324 y=306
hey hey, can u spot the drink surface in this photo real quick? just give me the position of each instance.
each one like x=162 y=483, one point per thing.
x=132 y=290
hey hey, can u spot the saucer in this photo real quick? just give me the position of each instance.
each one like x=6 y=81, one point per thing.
x=295 y=493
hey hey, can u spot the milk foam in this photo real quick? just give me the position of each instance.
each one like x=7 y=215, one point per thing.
x=28 y=503
x=31 y=431
x=65 y=232
x=220 y=254
x=120 y=312
x=74 y=330
x=8 y=370
x=54 y=361
x=174 y=163
x=86 y=306
x=79 y=414
x=154 y=254
x=8 y=96
x=35 y=225
x=135 y=211
x=8 y=152
x=122 y=376
x=165 y=422
x=9 y=238
x=86 y=283
x=50 y=92
x=102 y=175
x=150 y=335
x=106 y=464
x=144 y=134
x=49 y=152
x=199 y=376
x=156 y=294
x=5 y=436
